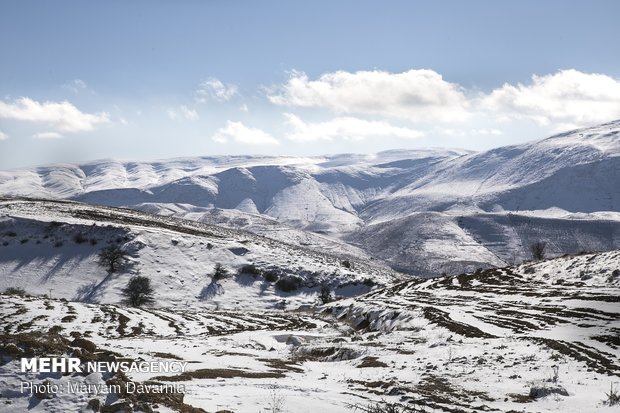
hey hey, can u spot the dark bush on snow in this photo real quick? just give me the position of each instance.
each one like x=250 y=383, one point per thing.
x=271 y=276
x=219 y=272
x=288 y=284
x=250 y=269
x=368 y=282
x=537 y=392
x=79 y=238
x=138 y=291
x=15 y=291
x=325 y=294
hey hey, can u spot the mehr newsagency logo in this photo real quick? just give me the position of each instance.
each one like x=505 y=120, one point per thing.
x=68 y=365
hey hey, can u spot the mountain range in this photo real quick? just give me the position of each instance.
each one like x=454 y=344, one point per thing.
x=425 y=212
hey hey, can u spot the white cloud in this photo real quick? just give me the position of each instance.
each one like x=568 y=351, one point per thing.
x=47 y=135
x=416 y=95
x=183 y=112
x=243 y=108
x=77 y=86
x=470 y=132
x=214 y=89
x=63 y=116
x=565 y=98
x=347 y=128
x=3 y=136
x=238 y=132
x=486 y=131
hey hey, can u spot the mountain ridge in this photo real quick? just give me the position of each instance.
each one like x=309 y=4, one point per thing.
x=355 y=197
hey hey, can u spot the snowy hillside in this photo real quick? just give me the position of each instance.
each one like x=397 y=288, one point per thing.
x=370 y=201
x=538 y=337
x=53 y=248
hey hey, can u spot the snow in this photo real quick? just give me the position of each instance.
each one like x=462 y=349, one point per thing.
x=176 y=255
x=477 y=339
x=570 y=176
x=488 y=350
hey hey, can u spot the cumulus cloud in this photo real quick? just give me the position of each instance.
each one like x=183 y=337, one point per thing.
x=562 y=99
x=183 y=112
x=347 y=128
x=416 y=95
x=568 y=97
x=238 y=132
x=63 y=116
x=47 y=135
x=214 y=89
x=3 y=136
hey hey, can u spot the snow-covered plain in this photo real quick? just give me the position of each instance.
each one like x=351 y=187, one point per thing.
x=364 y=203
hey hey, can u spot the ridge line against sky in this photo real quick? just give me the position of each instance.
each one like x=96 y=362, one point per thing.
x=148 y=80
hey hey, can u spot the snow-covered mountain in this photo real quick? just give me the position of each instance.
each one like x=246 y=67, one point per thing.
x=424 y=211
x=535 y=336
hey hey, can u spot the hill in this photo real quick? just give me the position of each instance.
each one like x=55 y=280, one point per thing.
x=51 y=247
x=541 y=336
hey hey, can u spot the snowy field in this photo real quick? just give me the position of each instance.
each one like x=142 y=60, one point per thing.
x=476 y=342
x=493 y=340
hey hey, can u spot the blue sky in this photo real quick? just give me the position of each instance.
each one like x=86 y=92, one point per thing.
x=140 y=80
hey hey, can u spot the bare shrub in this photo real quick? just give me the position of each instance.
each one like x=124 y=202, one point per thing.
x=112 y=258
x=381 y=407
x=276 y=401
x=538 y=250
x=613 y=397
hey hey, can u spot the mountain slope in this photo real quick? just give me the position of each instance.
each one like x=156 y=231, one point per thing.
x=538 y=337
x=361 y=199
x=52 y=248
